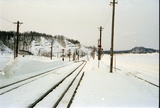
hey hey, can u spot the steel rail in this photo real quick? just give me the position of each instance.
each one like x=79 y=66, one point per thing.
x=52 y=88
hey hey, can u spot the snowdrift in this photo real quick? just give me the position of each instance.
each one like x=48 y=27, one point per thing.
x=30 y=64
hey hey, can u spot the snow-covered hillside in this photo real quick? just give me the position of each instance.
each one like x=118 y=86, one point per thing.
x=40 y=44
x=4 y=48
x=44 y=47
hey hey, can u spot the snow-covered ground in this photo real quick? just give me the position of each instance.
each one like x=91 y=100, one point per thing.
x=99 y=87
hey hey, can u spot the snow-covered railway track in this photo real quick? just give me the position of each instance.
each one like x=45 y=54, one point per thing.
x=29 y=93
x=134 y=75
x=62 y=93
x=17 y=84
x=140 y=78
x=146 y=81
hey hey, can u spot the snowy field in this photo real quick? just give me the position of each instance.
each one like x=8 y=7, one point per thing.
x=121 y=88
x=126 y=87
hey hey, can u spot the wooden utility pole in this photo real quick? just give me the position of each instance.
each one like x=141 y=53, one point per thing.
x=98 y=52
x=63 y=55
x=112 y=38
x=23 y=44
x=16 y=50
x=69 y=54
x=78 y=54
x=99 y=45
x=51 y=49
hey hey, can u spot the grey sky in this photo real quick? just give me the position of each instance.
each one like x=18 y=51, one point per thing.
x=136 y=21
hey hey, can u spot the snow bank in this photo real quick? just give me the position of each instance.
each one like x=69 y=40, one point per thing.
x=30 y=64
x=4 y=59
x=9 y=69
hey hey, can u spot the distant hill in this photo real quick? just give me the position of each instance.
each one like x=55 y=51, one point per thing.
x=143 y=50
x=134 y=50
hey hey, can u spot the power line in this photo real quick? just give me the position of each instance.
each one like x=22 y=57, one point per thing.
x=6 y=19
x=106 y=22
x=103 y=13
x=106 y=13
x=8 y=26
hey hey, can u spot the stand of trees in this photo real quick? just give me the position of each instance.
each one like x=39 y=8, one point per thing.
x=25 y=39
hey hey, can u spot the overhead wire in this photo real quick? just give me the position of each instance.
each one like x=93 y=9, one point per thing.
x=109 y=15
x=2 y=16
x=106 y=14
x=108 y=18
x=103 y=14
x=8 y=26
x=8 y=19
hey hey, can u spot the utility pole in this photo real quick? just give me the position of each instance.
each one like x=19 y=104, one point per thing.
x=99 y=45
x=112 y=38
x=69 y=54
x=78 y=54
x=16 y=51
x=98 y=52
x=23 y=44
x=51 y=49
x=63 y=55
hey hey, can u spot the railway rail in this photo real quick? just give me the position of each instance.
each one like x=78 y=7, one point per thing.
x=67 y=77
x=149 y=82
x=30 y=77
x=9 y=87
x=72 y=77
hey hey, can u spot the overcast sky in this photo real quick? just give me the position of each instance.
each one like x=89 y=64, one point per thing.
x=136 y=21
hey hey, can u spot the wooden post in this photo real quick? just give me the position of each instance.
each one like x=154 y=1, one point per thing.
x=51 y=49
x=16 y=50
x=112 y=38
